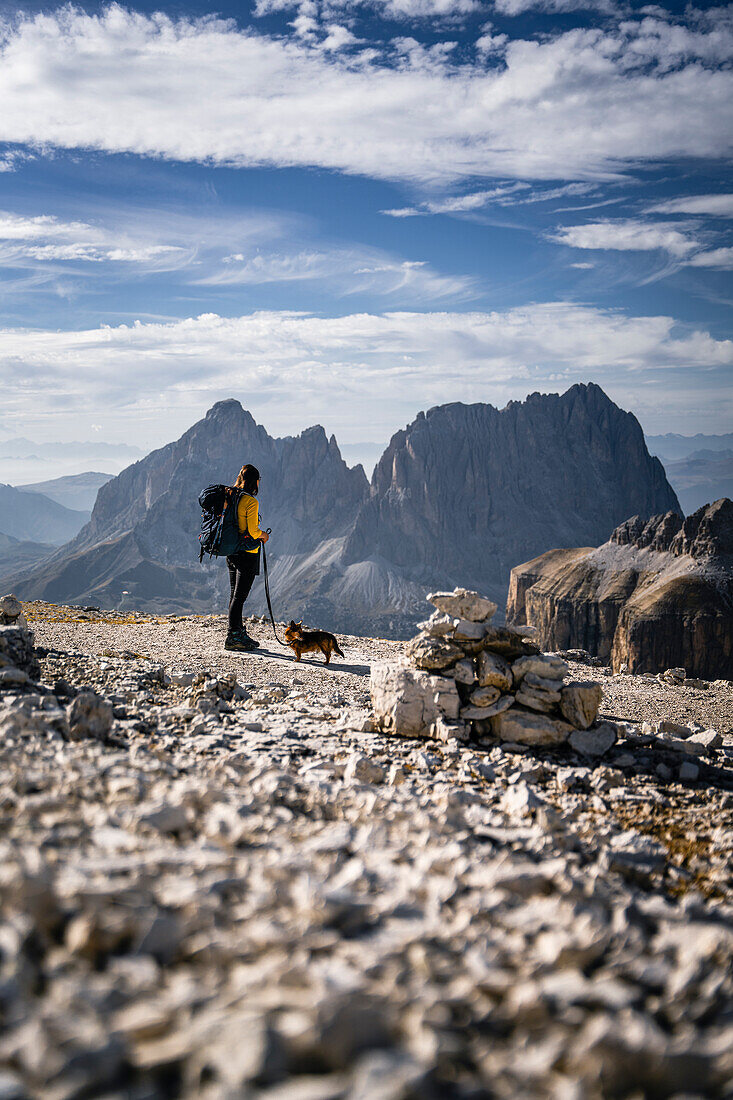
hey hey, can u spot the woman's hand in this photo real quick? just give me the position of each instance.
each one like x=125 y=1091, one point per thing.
x=264 y=538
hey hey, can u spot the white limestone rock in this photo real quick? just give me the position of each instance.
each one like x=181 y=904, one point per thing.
x=492 y=670
x=438 y=625
x=579 y=703
x=674 y=729
x=468 y=631
x=11 y=611
x=541 y=701
x=181 y=678
x=502 y=703
x=463 y=604
x=527 y=728
x=362 y=769
x=432 y=653
x=540 y=683
x=444 y=730
x=408 y=701
x=542 y=665
x=709 y=739
x=473 y=713
x=485 y=696
x=595 y=741
x=673 y=676
x=16 y=647
x=89 y=716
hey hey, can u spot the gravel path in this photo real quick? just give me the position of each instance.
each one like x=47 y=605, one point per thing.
x=218 y=881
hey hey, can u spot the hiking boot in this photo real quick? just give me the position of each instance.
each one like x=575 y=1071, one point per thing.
x=236 y=643
x=247 y=638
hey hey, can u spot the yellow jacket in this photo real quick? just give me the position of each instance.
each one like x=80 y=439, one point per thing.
x=248 y=518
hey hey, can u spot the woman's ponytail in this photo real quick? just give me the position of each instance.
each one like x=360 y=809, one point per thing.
x=247 y=479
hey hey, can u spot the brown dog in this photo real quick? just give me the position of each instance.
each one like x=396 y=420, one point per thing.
x=308 y=641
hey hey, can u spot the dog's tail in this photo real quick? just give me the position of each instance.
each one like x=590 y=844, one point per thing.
x=337 y=649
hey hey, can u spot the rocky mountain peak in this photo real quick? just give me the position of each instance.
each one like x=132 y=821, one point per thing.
x=708 y=532
x=466 y=491
x=655 y=533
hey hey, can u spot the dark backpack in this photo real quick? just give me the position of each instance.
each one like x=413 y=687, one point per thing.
x=220 y=536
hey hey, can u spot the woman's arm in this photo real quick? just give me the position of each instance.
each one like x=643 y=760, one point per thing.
x=248 y=519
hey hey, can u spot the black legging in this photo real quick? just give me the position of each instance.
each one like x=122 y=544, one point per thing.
x=243 y=568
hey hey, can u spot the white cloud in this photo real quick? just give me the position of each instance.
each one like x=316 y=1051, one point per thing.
x=44 y=242
x=717 y=257
x=626 y=236
x=11 y=159
x=350 y=271
x=514 y=194
x=640 y=236
x=491 y=43
x=519 y=7
x=575 y=105
x=293 y=369
x=47 y=238
x=458 y=204
x=718 y=206
x=391 y=9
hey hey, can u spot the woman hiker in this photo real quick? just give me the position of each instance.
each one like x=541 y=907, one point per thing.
x=244 y=566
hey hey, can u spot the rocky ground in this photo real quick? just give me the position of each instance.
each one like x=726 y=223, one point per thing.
x=217 y=881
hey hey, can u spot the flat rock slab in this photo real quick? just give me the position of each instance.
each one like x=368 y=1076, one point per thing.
x=542 y=665
x=527 y=728
x=433 y=653
x=461 y=603
x=594 y=742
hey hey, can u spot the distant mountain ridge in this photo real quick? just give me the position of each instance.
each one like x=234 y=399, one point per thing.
x=20 y=553
x=34 y=517
x=672 y=446
x=78 y=491
x=701 y=477
x=20 y=447
x=459 y=496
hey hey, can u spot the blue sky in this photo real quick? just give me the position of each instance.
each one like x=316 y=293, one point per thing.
x=344 y=211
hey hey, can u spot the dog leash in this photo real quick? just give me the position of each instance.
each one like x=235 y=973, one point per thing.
x=267 y=593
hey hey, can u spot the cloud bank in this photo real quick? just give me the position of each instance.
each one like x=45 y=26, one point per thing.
x=566 y=106
x=292 y=369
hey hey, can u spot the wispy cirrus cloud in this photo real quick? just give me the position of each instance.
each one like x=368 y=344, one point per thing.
x=715 y=206
x=513 y=194
x=48 y=238
x=562 y=107
x=346 y=270
x=553 y=7
x=271 y=249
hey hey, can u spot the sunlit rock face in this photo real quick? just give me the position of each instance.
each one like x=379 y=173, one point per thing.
x=657 y=595
x=467 y=491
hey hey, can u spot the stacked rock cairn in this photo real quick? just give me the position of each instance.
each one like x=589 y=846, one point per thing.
x=17 y=654
x=463 y=677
